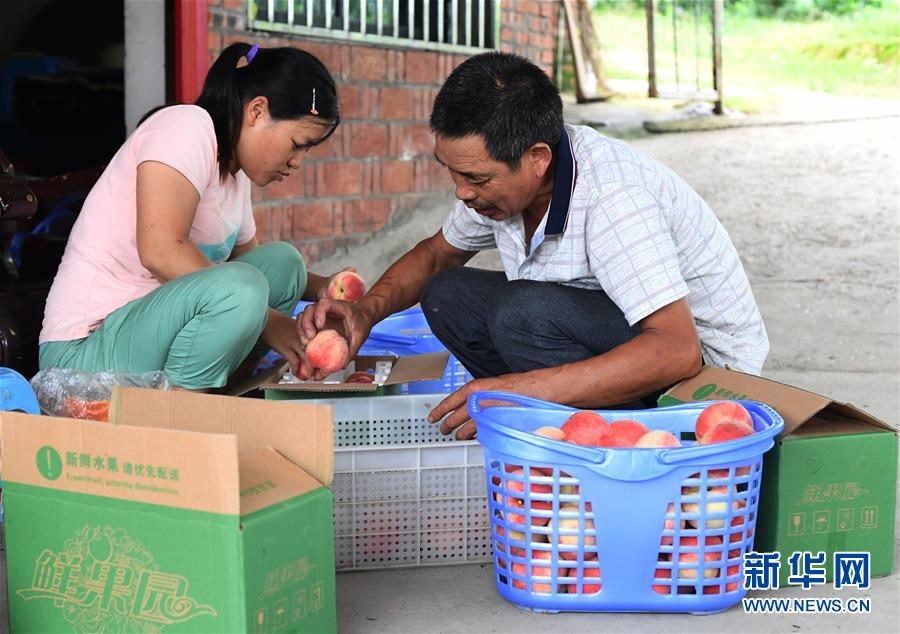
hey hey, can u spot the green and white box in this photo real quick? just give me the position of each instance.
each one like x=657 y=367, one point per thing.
x=830 y=482
x=189 y=513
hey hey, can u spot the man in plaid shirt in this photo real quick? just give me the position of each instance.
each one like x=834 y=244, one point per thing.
x=618 y=279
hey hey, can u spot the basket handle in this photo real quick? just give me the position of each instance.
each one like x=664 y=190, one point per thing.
x=400 y=340
x=679 y=455
x=518 y=399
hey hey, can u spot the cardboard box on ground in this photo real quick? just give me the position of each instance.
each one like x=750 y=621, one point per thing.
x=830 y=482
x=188 y=513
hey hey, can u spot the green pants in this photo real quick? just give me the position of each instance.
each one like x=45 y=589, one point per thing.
x=198 y=328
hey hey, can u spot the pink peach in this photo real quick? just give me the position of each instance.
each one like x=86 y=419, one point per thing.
x=624 y=433
x=360 y=377
x=536 y=571
x=516 y=497
x=585 y=428
x=719 y=412
x=550 y=432
x=586 y=588
x=692 y=557
x=662 y=573
x=723 y=432
x=657 y=438
x=346 y=286
x=669 y=525
x=328 y=351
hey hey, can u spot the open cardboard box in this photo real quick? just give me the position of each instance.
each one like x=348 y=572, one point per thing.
x=188 y=512
x=830 y=482
x=409 y=369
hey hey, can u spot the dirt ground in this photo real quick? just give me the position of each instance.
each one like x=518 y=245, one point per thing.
x=810 y=198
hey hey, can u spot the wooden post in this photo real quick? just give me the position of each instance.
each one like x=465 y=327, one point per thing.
x=718 y=11
x=583 y=93
x=651 y=49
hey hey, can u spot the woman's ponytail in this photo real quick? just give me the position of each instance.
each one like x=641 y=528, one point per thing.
x=221 y=98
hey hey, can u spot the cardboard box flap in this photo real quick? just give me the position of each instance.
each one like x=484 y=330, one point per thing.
x=256 y=381
x=302 y=432
x=823 y=424
x=419 y=367
x=853 y=415
x=268 y=478
x=173 y=468
x=796 y=406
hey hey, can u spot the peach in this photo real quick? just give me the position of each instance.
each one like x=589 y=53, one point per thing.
x=571 y=555
x=692 y=558
x=346 y=286
x=328 y=351
x=624 y=433
x=536 y=571
x=718 y=412
x=516 y=497
x=567 y=489
x=657 y=438
x=717 y=506
x=550 y=432
x=499 y=544
x=669 y=525
x=723 y=432
x=585 y=428
x=360 y=377
x=738 y=536
x=572 y=523
x=729 y=587
x=586 y=588
x=662 y=573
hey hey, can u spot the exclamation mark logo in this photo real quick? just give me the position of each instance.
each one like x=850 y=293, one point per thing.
x=49 y=463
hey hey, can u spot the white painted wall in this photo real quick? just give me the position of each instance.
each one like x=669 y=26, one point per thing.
x=145 y=58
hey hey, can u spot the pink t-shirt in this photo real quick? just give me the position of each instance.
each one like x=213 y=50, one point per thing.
x=101 y=270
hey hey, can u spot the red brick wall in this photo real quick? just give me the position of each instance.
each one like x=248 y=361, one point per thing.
x=380 y=160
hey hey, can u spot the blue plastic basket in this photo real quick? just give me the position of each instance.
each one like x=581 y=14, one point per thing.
x=16 y=395
x=403 y=334
x=619 y=530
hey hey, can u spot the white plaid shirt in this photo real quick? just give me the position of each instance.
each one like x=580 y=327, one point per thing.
x=634 y=229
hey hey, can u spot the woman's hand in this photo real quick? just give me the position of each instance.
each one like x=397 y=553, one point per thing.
x=280 y=334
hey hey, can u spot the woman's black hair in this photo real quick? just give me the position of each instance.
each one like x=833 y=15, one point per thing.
x=287 y=77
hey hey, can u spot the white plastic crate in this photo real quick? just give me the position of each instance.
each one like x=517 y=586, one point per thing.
x=404 y=494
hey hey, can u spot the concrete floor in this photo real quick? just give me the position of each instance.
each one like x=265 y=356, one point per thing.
x=465 y=599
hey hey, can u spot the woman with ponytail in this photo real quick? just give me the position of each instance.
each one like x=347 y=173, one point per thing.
x=163 y=270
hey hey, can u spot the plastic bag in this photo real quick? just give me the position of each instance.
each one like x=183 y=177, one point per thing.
x=77 y=394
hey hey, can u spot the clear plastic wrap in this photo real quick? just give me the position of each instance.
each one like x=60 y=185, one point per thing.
x=77 y=394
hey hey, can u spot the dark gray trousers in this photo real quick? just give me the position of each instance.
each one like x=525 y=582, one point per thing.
x=494 y=326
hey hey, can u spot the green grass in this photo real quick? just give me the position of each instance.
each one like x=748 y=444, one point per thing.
x=853 y=55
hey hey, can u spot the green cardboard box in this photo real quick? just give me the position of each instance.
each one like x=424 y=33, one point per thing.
x=830 y=482
x=190 y=513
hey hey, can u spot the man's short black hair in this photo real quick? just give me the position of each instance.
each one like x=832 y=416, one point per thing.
x=503 y=98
